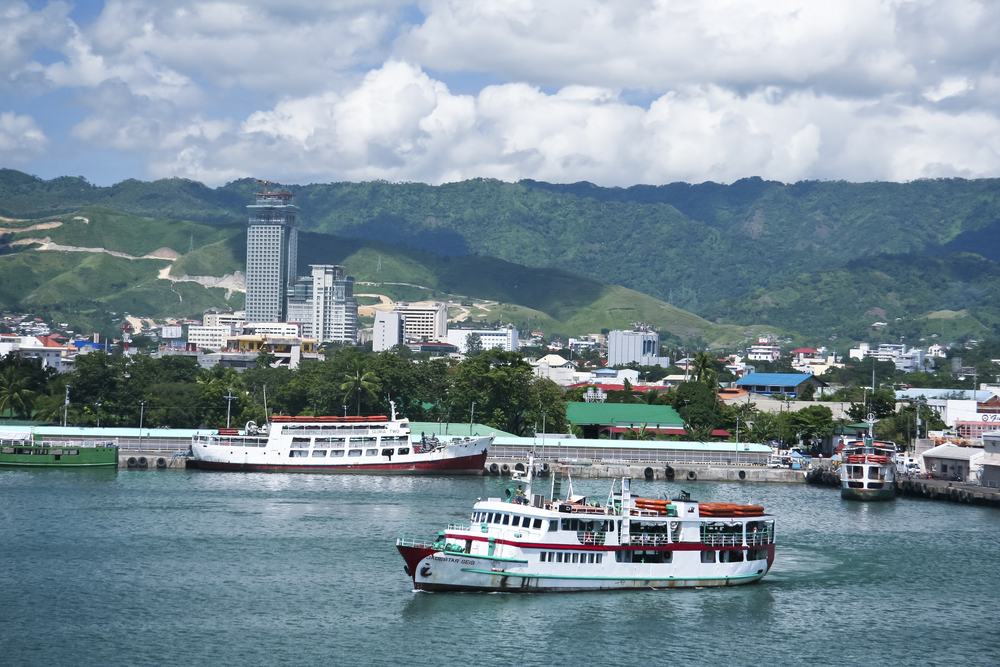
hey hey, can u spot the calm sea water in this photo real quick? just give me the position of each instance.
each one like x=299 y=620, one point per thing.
x=202 y=568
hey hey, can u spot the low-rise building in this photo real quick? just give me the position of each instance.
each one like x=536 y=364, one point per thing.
x=789 y=384
x=555 y=368
x=951 y=461
x=764 y=349
x=505 y=339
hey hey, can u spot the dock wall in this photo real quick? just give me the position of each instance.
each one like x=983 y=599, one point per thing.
x=150 y=461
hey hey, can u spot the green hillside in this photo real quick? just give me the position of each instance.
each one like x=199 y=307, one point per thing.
x=751 y=253
x=918 y=297
x=91 y=285
x=691 y=245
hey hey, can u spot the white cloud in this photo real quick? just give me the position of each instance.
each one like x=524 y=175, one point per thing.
x=784 y=89
x=401 y=124
x=20 y=138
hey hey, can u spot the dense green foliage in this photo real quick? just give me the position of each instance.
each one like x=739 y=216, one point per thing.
x=175 y=392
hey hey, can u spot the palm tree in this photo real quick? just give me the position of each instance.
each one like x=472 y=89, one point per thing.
x=640 y=434
x=14 y=393
x=702 y=365
x=358 y=382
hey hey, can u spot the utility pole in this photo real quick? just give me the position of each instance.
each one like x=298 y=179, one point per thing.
x=142 y=410
x=472 y=417
x=66 y=407
x=98 y=414
x=229 y=406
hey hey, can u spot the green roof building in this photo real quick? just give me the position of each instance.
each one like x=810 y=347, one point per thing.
x=594 y=418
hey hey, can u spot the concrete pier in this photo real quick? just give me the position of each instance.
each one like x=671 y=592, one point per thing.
x=659 y=471
x=133 y=460
x=955 y=492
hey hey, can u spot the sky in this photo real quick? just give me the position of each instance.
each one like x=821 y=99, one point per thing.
x=614 y=92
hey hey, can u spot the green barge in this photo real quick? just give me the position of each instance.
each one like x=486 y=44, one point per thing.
x=28 y=454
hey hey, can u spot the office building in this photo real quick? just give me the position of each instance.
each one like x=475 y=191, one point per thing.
x=335 y=310
x=424 y=321
x=641 y=347
x=388 y=331
x=272 y=256
x=505 y=339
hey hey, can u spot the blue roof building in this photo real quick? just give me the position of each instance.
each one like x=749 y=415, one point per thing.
x=790 y=384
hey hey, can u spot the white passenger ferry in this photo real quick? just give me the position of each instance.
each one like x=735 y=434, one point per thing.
x=364 y=445
x=531 y=544
x=868 y=470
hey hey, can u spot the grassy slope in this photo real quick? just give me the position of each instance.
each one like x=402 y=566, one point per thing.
x=912 y=294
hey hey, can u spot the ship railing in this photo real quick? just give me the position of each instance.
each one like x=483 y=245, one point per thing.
x=758 y=539
x=419 y=544
x=459 y=526
x=592 y=537
x=723 y=539
x=649 y=539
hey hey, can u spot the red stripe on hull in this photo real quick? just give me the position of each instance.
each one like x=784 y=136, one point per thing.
x=466 y=465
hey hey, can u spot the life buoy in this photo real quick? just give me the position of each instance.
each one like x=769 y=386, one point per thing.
x=692 y=475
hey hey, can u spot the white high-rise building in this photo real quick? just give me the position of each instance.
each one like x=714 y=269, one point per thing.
x=335 y=310
x=388 y=331
x=272 y=256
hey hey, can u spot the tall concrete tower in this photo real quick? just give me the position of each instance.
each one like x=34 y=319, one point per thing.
x=272 y=255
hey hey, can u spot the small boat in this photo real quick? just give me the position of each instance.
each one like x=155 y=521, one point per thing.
x=868 y=470
x=526 y=543
x=361 y=445
x=20 y=450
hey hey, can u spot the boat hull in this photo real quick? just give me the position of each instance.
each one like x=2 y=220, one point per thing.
x=466 y=465
x=886 y=493
x=433 y=570
x=85 y=457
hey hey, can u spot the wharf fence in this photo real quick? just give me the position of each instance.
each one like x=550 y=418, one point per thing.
x=626 y=455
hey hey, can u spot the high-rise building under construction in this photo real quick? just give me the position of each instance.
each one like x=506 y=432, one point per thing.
x=272 y=256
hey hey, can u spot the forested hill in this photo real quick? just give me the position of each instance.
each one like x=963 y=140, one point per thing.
x=699 y=247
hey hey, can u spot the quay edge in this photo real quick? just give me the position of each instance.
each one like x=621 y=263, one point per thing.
x=654 y=471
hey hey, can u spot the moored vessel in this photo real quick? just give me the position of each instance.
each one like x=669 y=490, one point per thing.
x=363 y=445
x=868 y=470
x=527 y=543
x=20 y=450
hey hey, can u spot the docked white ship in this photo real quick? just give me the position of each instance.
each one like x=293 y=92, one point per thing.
x=527 y=543
x=363 y=445
x=868 y=470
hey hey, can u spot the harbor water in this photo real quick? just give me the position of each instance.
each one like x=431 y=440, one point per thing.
x=105 y=567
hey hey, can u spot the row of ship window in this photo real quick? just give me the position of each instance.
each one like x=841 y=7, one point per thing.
x=321 y=453
x=633 y=556
x=514 y=520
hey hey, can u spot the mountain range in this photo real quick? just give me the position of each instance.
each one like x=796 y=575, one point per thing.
x=824 y=259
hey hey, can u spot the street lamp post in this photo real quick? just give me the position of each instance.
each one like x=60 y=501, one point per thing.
x=98 y=404
x=472 y=417
x=229 y=405
x=142 y=410
x=66 y=407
